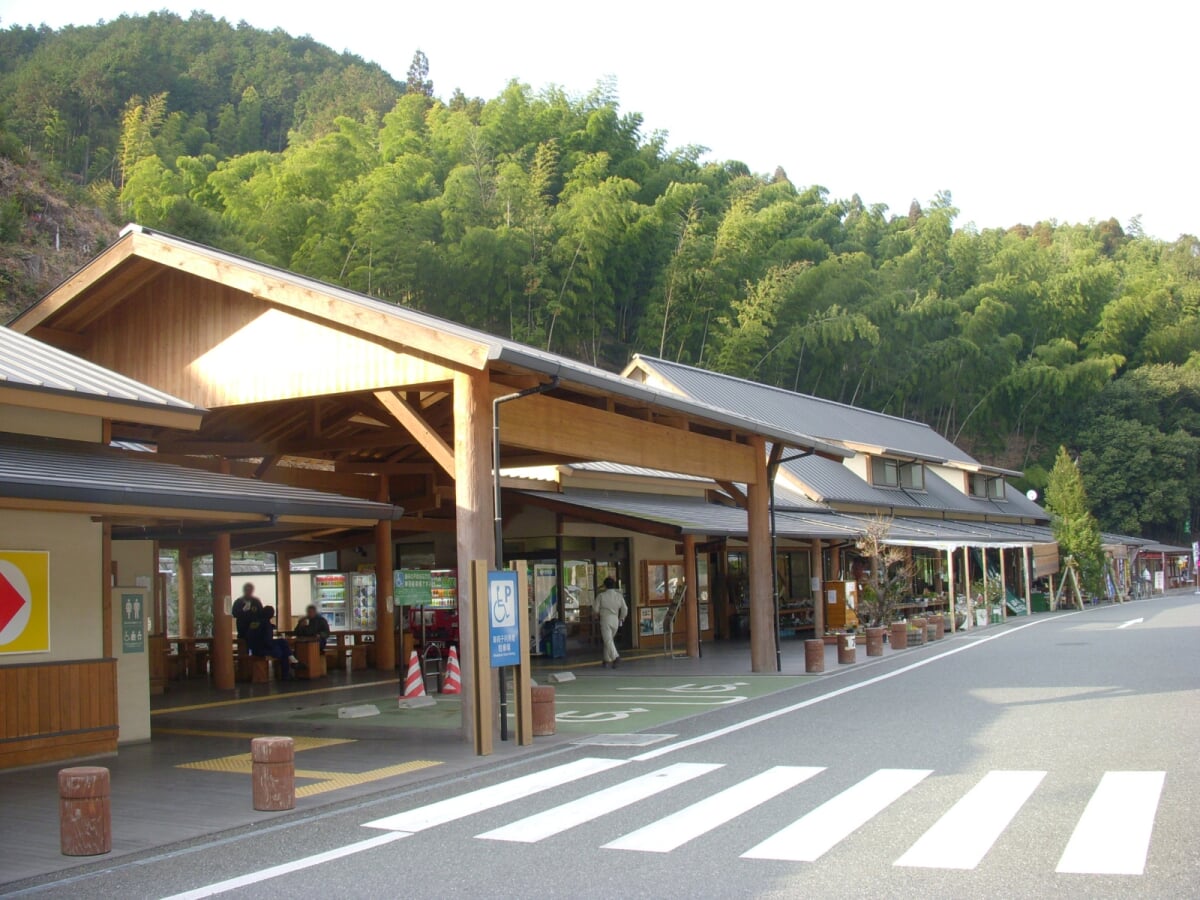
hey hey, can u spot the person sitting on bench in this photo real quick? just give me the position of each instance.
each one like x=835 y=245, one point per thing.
x=261 y=641
x=313 y=625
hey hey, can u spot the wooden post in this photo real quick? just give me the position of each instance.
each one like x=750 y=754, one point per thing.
x=1003 y=589
x=222 y=645
x=522 y=679
x=1028 y=581
x=691 y=595
x=474 y=529
x=986 y=603
x=385 y=621
x=187 y=595
x=107 y=584
x=762 y=607
x=952 y=595
x=967 y=589
x=818 y=570
x=283 y=591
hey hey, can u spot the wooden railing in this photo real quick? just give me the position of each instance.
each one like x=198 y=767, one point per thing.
x=57 y=710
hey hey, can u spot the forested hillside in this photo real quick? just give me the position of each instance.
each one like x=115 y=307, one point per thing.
x=552 y=218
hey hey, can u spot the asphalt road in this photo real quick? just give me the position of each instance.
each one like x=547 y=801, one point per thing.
x=1028 y=760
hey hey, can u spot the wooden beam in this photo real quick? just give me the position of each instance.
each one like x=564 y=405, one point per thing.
x=420 y=525
x=82 y=404
x=187 y=596
x=102 y=265
x=691 y=596
x=385 y=623
x=65 y=340
x=316 y=303
x=265 y=466
x=557 y=504
x=434 y=444
x=547 y=424
x=383 y=467
x=736 y=494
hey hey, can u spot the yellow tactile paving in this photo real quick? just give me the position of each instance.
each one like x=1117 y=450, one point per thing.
x=323 y=781
x=216 y=704
x=301 y=743
x=338 y=780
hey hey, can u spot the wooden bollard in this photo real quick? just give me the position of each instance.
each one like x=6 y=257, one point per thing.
x=847 y=649
x=899 y=636
x=814 y=656
x=84 y=811
x=273 y=773
x=544 y=723
x=875 y=641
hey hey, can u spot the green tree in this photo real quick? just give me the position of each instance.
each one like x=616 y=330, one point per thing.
x=1074 y=526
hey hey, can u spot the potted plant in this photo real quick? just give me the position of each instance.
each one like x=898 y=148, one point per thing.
x=887 y=578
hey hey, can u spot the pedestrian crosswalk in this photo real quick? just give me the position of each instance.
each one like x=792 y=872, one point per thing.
x=1111 y=835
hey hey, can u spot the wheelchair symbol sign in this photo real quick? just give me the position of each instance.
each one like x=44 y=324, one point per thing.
x=504 y=629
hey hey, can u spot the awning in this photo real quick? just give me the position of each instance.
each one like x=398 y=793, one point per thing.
x=45 y=473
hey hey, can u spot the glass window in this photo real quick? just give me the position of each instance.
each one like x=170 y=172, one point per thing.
x=978 y=485
x=996 y=488
x=885 y=472
x=912 y=475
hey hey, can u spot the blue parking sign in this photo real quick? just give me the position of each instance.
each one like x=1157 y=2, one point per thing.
x=504 y=626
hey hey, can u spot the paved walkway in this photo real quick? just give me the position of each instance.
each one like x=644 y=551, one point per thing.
x=192 y=778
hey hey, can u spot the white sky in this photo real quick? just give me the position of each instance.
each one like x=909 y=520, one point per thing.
x=1024 y=110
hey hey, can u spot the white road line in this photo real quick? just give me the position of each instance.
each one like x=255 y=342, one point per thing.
x=1113 y=835
x=700 y=818
x=1130 y=622
x=848 y=689
x=962 y=837
x=810 y=837
x=287 y=868
x=489 y=797
x=553 y=821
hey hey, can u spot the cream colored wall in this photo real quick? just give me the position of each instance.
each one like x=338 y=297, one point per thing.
x=45 y=423
x=73 y=542
x=860 y=465
x=136 y=566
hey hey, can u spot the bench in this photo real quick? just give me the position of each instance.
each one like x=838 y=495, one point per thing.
x=312 y=661
x=260 y=669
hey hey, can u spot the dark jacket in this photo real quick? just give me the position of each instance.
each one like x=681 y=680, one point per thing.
x=317 y=627
x=259 y=632
x=244 y=612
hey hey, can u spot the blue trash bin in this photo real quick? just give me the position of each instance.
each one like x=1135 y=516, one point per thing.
x=558 y=641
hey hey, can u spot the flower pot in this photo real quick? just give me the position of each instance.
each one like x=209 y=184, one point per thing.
x=899 y=636
x=939 y=627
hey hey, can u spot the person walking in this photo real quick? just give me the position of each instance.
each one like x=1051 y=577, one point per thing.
x=611 y=605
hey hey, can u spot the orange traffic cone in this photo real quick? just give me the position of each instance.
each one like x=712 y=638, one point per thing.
x=414 y=686
x=453 y=682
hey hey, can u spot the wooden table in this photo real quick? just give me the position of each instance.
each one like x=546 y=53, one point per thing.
x=312 y=660
x=193 y=654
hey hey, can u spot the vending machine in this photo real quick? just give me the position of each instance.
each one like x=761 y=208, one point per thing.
x=362 y=602
x=329 y=596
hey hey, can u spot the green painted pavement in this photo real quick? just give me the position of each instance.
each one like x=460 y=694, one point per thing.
x=594 y=704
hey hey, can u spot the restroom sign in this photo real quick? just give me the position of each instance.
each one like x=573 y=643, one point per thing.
x=24 y=601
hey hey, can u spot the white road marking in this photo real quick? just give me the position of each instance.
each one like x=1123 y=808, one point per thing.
x=700 y=818
x=850 y=688
x=553 y=821
x=489 y=797
x=962 y=837
x=1130 y=622
x=1113 y=835
x=287 y=868
x=810 y=837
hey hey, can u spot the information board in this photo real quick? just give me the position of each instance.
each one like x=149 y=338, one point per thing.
x=412 y=587
x=133 y=626
x=504 y=627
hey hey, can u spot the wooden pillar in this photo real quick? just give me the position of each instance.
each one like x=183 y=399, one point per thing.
x=835 y=562
x=474 y=525
x=691 y=595
x=1003 y=588
x=106 y=585
x=1025 y=554
x=760 y=564
x=951 y=593
x=986 y=604
x=385 y=622
x=283 y=592
x=967 y=588
x=222 y=645
x=186 y=594
x=818 y=573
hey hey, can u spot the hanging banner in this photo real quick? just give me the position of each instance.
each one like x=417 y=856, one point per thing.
x=24 y=601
